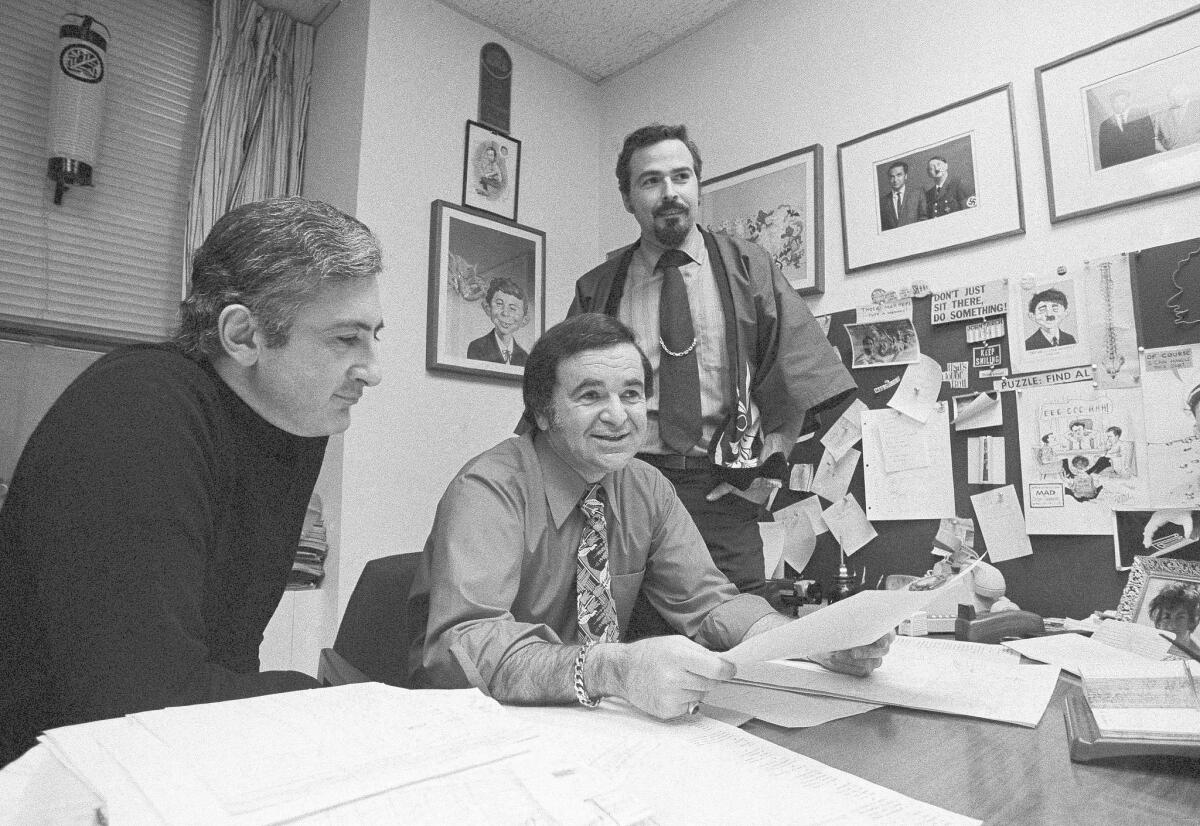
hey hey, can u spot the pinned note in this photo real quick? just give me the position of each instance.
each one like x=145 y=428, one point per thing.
x=917 y=393
x=846 y=432
x=974 y=412
x=801 y=478
x=849 y=524
x=833 y=475
x=1002 y=524
x=985 y=460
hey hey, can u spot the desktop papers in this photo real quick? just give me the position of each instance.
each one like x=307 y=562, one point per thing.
x=935 y=675
x=699 y=771
x=1113 y=643
x=906 y=465
x=782 y=708
x=857 y=620
x=285 y=756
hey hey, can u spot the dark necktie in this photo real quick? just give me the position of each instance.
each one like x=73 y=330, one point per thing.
x=596 y=612
x=678 y=371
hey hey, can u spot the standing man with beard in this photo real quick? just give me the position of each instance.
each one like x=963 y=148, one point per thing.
x=738 y=358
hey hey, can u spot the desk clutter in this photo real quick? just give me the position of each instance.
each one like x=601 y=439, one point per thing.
x=369 y=753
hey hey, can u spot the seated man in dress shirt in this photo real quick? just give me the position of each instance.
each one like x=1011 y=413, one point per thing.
x=528 y=593
x=154 y=513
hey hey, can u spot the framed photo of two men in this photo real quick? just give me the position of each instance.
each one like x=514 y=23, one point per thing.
x=487 y=288
x=1121 y=119
x=935 y=182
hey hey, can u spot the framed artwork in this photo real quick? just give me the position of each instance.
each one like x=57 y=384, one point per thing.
x=936 y=182
x=778 y=204
x=487 y=288
x=1130 y=541
x=491 y=171
x=1121 y=119
x=1164 y=594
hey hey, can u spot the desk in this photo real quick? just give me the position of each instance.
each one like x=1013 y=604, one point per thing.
x=996 y=772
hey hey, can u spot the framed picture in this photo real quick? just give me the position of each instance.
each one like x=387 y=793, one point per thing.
x=487 y=288
x=491 y=171
x=936 y=182
x=1121 y=119
x=1164 y=594
x=776 y=203
x=1129 y=539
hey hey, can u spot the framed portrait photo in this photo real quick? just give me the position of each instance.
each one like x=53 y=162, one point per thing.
x=487 y=287
x=936 y=182
x=1121 y=119
x=1164 y=593
x=777 y=203
x=491 y=171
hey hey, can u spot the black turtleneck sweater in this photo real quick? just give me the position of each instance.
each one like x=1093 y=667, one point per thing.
x=144 y=545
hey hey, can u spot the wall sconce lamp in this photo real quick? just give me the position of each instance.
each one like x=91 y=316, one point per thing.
x=77 y=91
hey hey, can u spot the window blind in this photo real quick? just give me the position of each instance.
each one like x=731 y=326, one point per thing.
x=106 y=265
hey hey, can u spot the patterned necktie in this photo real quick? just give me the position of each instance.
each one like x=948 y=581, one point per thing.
x=593 y=600
x=678 y=371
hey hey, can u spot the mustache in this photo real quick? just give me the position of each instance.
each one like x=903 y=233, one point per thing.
x=670 y=207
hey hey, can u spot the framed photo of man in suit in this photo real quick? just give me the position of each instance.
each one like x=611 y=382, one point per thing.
x=935 y=182
x=487 y=286
x=1121 y=119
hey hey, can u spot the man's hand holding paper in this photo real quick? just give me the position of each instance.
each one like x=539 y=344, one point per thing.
x=859 y=661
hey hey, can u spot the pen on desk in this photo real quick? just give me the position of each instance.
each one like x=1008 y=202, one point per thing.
x=1180 y=647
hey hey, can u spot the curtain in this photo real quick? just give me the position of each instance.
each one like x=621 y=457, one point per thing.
x=254 y=116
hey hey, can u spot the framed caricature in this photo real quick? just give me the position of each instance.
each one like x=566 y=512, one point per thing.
x=936 y=182
x=487 y=287
x=1121 y=119
x=777 y=204
x=491 y=171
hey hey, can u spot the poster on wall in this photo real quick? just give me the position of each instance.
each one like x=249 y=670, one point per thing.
x=1109 y=326
x=1082 y=454
x=1045 y=331
x=1171 y=389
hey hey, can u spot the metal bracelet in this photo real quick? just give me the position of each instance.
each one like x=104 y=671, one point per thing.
x=581 y=693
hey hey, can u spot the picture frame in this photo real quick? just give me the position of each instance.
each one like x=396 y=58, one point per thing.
x=1129 y=527
x=1118 y=125
x=975 y=141
x=491 y=170
x=470 y=253
x=1148 y=576
x=779 y=204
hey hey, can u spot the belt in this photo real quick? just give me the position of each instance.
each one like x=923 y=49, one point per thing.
x=674 y=461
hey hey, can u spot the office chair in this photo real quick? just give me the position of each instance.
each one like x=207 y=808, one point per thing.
x=375 y=633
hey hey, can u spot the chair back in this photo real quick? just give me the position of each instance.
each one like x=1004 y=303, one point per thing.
x=378 y=628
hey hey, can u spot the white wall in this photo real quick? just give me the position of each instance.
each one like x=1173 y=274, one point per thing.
x=777 y=75
x=414 y=431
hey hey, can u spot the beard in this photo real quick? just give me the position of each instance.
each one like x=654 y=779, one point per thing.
x=671 y=230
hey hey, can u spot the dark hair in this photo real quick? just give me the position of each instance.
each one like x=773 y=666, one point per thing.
x=1046 y=438
x=648 y=136
x=271 y=256
x=1116 y=431
x=1080 y=462
x=504 y=285
x=1050 y=296
x=937 y=158
x=1176 y=595
x=1079 y=422
x=588 y=331
x=900 y=164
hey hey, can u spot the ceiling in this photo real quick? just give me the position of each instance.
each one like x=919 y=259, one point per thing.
x=595 y=38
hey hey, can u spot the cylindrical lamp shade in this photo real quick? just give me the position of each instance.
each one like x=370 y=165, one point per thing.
x=77 y=91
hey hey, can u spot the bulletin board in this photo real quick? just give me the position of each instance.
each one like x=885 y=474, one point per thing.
x=1067 y=575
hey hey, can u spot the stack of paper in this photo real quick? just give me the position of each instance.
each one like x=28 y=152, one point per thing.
x=1113 y=643
x=1153 y=700
x=347 y=753
x=970 y=679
